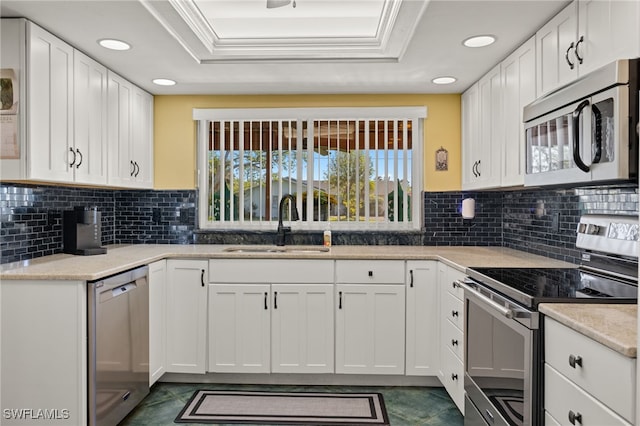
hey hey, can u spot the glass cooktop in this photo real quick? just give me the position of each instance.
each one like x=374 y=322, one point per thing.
x=539 y=285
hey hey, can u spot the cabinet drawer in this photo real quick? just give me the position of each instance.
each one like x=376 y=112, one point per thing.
x=453 y=338
x=451 y=286
x=370 y=272
x=452 y=309
x=562 y=397
x=268 y=271
x=604 y=373
x=453 y=379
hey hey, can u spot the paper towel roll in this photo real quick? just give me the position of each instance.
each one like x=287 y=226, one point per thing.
x=468 y=208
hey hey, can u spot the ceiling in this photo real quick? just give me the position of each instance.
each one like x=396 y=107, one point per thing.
x=318 y=46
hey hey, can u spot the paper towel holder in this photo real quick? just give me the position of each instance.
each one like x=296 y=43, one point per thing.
x=468 y=209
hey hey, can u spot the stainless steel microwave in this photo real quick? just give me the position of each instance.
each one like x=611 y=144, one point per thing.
x=587 y=131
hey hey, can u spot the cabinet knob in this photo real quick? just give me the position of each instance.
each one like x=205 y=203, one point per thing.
x=575 y=360
x=575 y=417
x=370 y=273
x=454 y=313
x=454 y=376
x=454 y=342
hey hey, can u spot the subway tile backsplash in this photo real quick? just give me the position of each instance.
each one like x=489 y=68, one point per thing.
x=539 y=221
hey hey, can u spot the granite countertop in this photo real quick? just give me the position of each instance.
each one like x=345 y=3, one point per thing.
x=615 y=326
x=123 y=257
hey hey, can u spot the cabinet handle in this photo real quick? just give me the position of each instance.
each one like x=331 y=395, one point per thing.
x=575 y=417
x=80 y=154
x=411 y=277
x=133 y=169
x=454 y=342
x=370 y=273
x=137 y=169
x=580 y=41
x=74 y=157
x=454 y=376
x=575 y=360
x=473 y=169
x=478 y=168
x=566 y=56
x=202 y=278
x=339 y=300
x=275 y=300
x=266 y=295
x=454 y=313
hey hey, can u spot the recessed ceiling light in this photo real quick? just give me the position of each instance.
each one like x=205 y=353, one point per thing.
x=479 y=41
x=113 y=44
x=164 y=82
x=444 y=80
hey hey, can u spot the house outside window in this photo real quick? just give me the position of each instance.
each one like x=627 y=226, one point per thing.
x=348 y=168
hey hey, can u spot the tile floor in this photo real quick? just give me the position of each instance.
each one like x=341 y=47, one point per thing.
x=406 y=406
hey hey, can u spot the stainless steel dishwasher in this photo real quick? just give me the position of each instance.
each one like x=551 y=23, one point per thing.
x=118 y=317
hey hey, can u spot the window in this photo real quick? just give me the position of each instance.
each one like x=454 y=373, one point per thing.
x=355 y=168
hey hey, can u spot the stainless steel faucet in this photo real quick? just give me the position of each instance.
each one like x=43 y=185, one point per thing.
x=282 y=230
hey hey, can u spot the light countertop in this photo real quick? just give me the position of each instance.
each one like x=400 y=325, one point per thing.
x=124 y=257
x=615 y=326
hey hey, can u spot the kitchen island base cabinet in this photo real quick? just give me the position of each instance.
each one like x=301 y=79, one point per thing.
x=42 y=367
x=186 y=315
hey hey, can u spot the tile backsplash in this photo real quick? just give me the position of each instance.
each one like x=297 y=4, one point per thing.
x=539 y=221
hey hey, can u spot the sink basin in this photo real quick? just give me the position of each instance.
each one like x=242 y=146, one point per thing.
x=276 y=249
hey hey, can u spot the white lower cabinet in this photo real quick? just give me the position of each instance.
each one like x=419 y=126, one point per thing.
x=422 y=318
x=370 y=325
x=277 y=321
x=302 y=334
x=157 y=320
x=586 y=382
x=451 y=344
x=186 y=316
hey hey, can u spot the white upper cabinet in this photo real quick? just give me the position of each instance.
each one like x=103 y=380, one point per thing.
x=584 y=36
x=130 y=134
x=482 y=132
x=518 y=90
x=90 y=120
x=50 y=149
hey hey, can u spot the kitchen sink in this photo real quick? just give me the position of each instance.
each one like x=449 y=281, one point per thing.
x=277 y=249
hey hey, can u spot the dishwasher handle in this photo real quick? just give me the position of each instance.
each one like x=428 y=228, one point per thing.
x=124 y=289
x=487 y=301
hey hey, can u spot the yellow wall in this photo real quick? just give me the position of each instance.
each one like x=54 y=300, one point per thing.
x=175 y=141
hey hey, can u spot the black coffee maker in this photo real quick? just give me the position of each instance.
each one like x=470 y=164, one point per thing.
x=82 y=231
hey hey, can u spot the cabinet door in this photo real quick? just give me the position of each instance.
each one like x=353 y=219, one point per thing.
x=609 y=30
x=518 y=90
x=470 y=135
x=142 y=139
x=157 y=320
x=239 y=328
x=90 y=120
x=302 y=337
x=370 y=325
x=49 y=106
x=422 y=319
x=119 y=137
x=555 y=58
x=491 y=128
x=186 y=316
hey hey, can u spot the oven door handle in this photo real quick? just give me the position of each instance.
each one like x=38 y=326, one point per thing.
x=489 y=302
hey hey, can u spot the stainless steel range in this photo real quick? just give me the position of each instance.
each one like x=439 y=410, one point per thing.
x=503 y=330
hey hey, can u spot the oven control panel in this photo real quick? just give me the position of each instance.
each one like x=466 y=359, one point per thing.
x=609 y=234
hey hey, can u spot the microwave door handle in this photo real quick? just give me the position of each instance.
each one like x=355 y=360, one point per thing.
x=576 y=135
x=598 y=133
